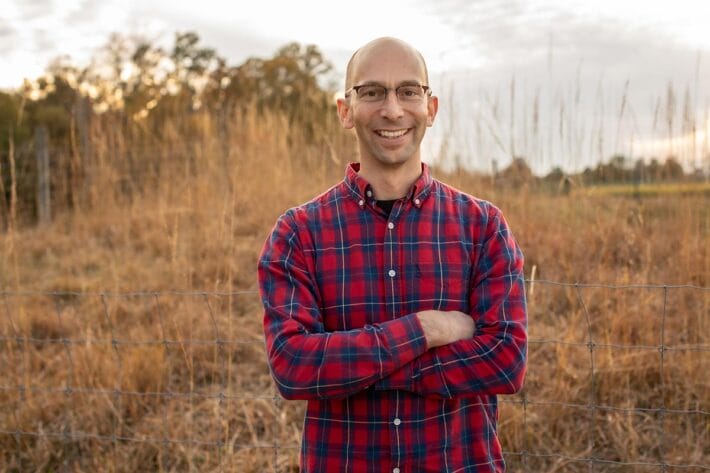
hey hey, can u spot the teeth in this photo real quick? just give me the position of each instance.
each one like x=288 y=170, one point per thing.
x=391 y=134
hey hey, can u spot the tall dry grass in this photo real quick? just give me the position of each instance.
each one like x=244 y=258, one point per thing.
x=112 y=361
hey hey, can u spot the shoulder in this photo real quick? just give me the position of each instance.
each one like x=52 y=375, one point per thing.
x=487 y=225
x=312 y=211
x=299 y=223
x=480 y=210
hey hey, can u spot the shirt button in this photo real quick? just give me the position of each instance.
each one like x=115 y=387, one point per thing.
x=390 y=225
x=361 y=203
x=392 y=273
x=397 y=421
x=395 y=470
x=417 y=202
x=369 y=193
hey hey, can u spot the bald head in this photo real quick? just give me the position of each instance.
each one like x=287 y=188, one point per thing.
x=380 y=46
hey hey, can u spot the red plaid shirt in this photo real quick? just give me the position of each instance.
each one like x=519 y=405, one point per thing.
x=341 y=283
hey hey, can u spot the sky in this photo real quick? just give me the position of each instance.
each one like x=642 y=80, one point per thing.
x=559 y=82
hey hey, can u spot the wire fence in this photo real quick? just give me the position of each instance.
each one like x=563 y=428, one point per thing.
x=169 y=380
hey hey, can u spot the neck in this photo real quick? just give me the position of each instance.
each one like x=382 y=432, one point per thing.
x=390 y=182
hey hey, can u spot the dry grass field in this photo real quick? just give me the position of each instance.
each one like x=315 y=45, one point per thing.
x=130 y=330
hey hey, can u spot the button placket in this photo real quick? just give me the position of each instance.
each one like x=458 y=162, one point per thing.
x=392 y=264
x=397 y=422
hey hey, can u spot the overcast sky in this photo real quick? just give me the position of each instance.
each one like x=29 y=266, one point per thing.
x=559 y=82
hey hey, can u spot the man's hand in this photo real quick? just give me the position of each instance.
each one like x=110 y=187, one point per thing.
x=442 y=328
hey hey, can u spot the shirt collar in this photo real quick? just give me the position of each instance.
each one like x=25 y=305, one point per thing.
x=361 y=190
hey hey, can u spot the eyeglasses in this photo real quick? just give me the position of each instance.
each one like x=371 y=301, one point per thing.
x=372 y=93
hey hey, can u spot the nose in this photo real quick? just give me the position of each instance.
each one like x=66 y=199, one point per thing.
x=391 y=108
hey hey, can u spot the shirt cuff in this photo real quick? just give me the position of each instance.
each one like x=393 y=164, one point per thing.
x=405 y=353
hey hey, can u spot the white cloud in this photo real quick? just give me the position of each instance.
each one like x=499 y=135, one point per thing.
x=44 y=29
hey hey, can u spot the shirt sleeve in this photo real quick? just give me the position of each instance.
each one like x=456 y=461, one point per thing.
x=306 y=361
x=494 y=360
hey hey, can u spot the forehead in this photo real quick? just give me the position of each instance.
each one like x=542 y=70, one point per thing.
x=388 y=63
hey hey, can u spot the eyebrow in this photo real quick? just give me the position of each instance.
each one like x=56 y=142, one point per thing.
x=404 y=82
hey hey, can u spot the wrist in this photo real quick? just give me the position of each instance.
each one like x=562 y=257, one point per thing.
x=434 y=332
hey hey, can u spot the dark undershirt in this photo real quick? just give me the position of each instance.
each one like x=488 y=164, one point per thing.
x=386 y=205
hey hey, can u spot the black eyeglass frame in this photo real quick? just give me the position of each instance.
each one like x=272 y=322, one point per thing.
x=427 y=90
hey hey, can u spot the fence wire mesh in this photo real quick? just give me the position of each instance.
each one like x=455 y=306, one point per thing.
x=168 y=380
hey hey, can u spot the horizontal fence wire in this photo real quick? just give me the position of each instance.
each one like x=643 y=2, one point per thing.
x=179 y=357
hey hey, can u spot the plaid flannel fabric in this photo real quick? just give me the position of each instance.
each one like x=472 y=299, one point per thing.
x=341 y=283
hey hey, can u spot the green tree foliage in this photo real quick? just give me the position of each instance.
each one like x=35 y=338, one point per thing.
x=141 y=86
x=517 y=174
x=619 y=169
x=140 y=79
x=287 y=82
x=11 y=124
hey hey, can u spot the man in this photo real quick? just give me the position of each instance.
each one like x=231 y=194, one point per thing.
x=394 y=303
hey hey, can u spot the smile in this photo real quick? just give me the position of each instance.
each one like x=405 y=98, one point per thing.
x=392 y=133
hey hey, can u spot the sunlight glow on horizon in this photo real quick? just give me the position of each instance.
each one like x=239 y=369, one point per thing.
x=689 y=148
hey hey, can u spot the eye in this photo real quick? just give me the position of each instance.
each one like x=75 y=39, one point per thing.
x=409 y=92
x=371 y=92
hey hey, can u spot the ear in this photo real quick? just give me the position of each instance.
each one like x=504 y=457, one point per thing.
x=345 y=113
x=432 y=107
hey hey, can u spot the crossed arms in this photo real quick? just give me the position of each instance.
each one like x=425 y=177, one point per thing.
x=431 y=353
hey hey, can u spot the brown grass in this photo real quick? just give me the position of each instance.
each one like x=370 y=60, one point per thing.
x=96 y=377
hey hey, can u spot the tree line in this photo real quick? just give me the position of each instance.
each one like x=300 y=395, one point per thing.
x=619 y=169
x=144 y=81
x=137 y=87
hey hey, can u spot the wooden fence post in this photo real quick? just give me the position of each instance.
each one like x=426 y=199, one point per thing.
x=83 y=117
x=44 y=197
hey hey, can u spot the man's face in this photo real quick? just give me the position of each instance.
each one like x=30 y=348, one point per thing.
x=390 y=131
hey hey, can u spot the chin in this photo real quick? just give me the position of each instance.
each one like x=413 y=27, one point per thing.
x=399 y=157
x=394 y=161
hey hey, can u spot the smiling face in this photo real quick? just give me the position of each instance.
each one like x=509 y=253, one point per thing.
x=390 y=131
